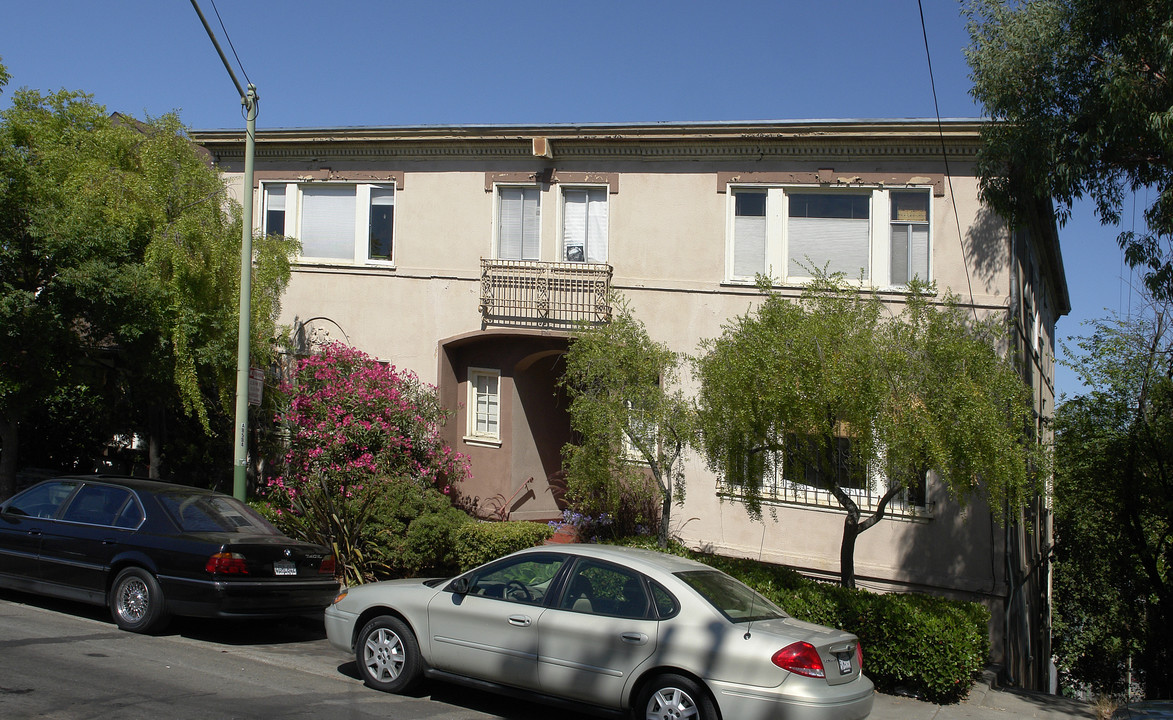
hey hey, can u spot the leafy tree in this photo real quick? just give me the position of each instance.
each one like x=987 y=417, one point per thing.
x=632 y=417
x=1083 y=92
x=1114 y=508
x=119 y=259
x=831 y=390
x=356 y=429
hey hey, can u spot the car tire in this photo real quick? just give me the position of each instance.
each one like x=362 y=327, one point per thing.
x=668 y=697
x=136 y=601
x=388 y=655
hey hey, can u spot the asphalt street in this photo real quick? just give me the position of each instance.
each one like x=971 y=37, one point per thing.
x=63 y=661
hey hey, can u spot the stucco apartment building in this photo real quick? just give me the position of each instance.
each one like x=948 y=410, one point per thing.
x=469 y=253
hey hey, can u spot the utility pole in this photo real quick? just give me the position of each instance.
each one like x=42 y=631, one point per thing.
x=240 y=428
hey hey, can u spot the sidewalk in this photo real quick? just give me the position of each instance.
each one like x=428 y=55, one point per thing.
x=983 y=703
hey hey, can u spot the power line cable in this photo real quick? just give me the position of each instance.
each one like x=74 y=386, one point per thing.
x=945 y=157
x=230 y=45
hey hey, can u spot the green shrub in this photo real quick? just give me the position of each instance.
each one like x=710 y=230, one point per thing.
x=479 y=542
x=412 y=531
x=926 y=646
x=388 y=528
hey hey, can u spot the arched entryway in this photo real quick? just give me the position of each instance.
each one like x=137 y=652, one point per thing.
x=510 y=419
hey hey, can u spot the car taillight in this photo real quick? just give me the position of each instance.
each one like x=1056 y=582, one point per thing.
x=800 y=658
x=859 y=656
x=327 y=566
x=227 y=563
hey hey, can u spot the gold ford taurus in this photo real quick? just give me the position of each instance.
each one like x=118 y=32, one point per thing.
x=620 y=629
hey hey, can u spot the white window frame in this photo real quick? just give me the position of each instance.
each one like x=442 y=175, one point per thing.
x=473 y=434
x=596 y=247
x=646 y=430
x=927 y=223
x=295 y=202
x=497 y=218
x=877 y=273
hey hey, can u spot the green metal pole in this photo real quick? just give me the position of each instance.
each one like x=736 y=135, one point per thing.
x=240 y=457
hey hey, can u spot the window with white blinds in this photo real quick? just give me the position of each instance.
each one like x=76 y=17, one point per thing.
x=878 y=236
x=831 y=232
x=584 y=225
x=749 y=232
x=910 y=237
x=327 y=221
x=337 y=223
x=518 y=223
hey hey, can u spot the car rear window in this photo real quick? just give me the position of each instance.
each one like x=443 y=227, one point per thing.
x=101 y=505
x=213 y=513
x=736 y=601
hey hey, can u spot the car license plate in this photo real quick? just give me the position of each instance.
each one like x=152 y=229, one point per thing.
x=286 y=567
x=844 y=663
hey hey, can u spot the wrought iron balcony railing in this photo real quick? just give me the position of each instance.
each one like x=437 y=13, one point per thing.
x=552 y=295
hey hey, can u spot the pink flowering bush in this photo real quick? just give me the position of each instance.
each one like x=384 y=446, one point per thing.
x=354 y=425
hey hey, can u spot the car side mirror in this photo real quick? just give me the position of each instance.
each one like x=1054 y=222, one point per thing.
x=459 y=586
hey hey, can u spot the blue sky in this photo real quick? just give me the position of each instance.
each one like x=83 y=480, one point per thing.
x=327 y=64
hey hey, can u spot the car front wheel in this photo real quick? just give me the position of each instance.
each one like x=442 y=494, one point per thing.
x=674 y=697
x=388 y=655
x=136 y=601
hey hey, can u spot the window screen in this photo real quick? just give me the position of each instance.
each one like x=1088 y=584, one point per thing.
x=518 y=223
x=327 y=221
x=829 y=231
x=749 y=234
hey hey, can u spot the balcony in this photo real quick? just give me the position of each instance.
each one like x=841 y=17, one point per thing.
x=546 y=295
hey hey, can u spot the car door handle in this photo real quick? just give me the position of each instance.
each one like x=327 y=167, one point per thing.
x=519 y=620
x=109 y=541
x=634 y=638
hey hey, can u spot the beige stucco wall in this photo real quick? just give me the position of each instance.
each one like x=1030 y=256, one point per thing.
x=667 y=245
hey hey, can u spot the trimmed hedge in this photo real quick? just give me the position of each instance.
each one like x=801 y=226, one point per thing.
x=477 y=543
x=919 y=645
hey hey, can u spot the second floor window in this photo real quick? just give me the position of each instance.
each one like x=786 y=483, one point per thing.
x=878 y=236
x=518 y=223
x=381 y=223
x=829 y=231
x=584 y=225
x=910 y=237
x=342 y=223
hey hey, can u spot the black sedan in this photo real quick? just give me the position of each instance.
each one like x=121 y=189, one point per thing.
x=148 y=550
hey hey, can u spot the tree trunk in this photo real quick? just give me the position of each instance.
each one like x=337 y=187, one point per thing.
x=847 y=550
x=155 y=442
x=852 y=527
x=665 y=513
x=9 y=447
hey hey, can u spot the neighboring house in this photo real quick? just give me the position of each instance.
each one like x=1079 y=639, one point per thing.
x=468 y=254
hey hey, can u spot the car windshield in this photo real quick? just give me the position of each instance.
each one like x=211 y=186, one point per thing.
x=213 y=513
x=736 y=602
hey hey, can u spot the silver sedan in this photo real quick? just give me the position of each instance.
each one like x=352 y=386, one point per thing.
x=616 y=628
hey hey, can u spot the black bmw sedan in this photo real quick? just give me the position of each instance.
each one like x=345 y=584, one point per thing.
x=149 y=550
